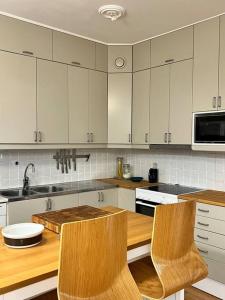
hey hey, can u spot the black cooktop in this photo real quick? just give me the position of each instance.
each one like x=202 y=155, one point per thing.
x=174 y=189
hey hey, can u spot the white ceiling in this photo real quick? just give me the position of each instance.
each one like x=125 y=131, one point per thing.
x=144 y=19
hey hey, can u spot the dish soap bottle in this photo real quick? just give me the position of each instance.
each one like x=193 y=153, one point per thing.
x=153 y=174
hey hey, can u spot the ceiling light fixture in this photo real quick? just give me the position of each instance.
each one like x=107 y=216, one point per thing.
x=112 y=12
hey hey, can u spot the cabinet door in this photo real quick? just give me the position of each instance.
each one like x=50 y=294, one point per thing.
x=221 y=104
x=78 y=104
x=17 y=98
x=141 y=56
x=206 y=55
x=109 y=197
x=119 y=108
x=101 y=57
x=172 y=47
x=89 y=198
x=25 y=38
x=181 y=102
x=140 y=112
x=126 y=199
x=65 y=201
x=73 y=50
x=98 y=107
x=22 y=211
x=159 y=104
x=119 y=59
x=52 y=102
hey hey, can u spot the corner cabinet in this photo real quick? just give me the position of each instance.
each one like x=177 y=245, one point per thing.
x=140 y=107
x=171 y=104
x=17 y=98
x=52 y=102
x=87 y=106
x=119 y=108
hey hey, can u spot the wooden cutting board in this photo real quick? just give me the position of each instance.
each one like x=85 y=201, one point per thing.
x=53 y=220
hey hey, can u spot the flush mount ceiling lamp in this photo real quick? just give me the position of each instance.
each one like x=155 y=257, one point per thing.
x=112 y=12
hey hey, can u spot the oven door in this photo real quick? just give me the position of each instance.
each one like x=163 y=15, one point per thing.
x=146 y=207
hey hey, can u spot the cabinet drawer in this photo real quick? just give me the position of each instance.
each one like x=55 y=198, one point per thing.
x=2 y=209
x=216 y=270
x=211 y=252
x=172 y=47
x=209 y=238
x=73 y=50
x=210 y=211
x=208 y=224
x=25 y=38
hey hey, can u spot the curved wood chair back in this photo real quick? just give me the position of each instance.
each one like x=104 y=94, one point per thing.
x=93 y=260
x=174 y=255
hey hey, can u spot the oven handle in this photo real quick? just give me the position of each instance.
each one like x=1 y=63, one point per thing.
x=144 y=204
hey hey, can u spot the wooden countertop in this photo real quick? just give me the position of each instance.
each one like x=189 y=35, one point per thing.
x=127 y=184
x=208 y=197
x=21 y=267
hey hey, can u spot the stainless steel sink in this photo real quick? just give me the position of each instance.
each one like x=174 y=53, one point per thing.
x=41 y=189
x=57 y=189
x=10 y=193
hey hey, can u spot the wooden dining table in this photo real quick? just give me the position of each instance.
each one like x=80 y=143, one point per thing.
x=25 y=273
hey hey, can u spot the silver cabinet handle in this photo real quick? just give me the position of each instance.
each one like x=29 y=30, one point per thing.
x=203 y=210
x=35 y=136
x=169 y=60
x=76 y=63
x=48 y=204
x=165 y=137
x=92 y=137
x=219 y=101
x=102 y=194
x=203 y=251
x=203 y=224
x=214 y=102
x=129 y=138
x=169 y=137
x=88 y=137
x=202 y=237
x=39 y=137
x=146 y=138
x=27 y=52
x=99 y=197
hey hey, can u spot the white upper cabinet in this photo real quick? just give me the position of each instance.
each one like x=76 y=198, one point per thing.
x=98 y=107
x=221 y=100
x=78 y=81
x=25 y=38
x=52 y=102
x=159 y=104
x=17 y=98
x=180 y=119
x=206 y=57
x=101 y=57
x=140 y=111
x=141 y=56
x=119 y=59
x=73 y=50
x=172 y=47
x=119 y=108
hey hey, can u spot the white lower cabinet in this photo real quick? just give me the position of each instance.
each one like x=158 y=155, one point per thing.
x=99 y=198
x=126 y=199
x=65 y=201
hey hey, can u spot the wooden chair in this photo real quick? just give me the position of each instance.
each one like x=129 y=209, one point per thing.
x=93 y=260
x=175 y=262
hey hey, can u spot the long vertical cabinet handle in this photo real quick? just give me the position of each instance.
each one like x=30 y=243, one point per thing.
x=214 y=102
x=219 y=102
x=88 y=137
x=129 y=138
x=39 y=137
x=102 y=194
x=35 y=136
x=169 y=137
x=146 y=138
x=166 y=137
x=92 y=137
x=99 y=197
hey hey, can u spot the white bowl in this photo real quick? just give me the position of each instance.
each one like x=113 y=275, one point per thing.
x=22 y=235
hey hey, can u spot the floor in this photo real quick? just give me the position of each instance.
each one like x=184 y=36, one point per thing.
x=190 y=294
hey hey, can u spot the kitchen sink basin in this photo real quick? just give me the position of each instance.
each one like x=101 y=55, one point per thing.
x=10 y=193
x=41 y=189
x=28 y=193
x=57 y=189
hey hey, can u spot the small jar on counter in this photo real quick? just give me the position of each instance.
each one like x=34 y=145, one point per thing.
x=126 y=171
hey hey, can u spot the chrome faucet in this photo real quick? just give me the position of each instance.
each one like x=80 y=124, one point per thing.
x=26 y=179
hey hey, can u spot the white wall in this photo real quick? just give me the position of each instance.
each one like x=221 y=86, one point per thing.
x=200 y=169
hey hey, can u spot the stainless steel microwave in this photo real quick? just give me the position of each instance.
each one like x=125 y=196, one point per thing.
x=208 y=128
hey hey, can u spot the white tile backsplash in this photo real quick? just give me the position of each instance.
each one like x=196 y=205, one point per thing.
x=200 y=169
